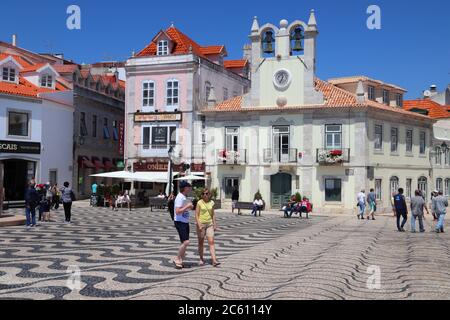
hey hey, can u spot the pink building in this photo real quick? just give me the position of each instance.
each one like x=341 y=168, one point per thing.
x=167 y=84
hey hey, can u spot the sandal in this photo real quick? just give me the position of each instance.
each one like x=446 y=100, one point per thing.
x=177 y=265
x=216 y=264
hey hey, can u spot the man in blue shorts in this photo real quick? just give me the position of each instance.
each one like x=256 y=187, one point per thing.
x=183 y=206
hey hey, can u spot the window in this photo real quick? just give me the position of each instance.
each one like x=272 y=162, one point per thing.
x=439 y=184
x=148 y=94
x=423 y=143
x=18 y=123
x=371 y=93
x=408 y=188
x=230 y=185
x=207 y=90
x=225 y=94
x=378 y=186
x=115 y=131
x=333 y=136
x=394 y=185
x=235 y=94
x=106 y=134
x=422 y=185
x=232 y=139
x=378 y=137
x=409 y=140
x=399 y=99
x=386 y=98
x=333 y=190
x=438 y=156
x=447 y=157
x=159 y=137
x=163 y=48
x=172 y=93
x=9 y=74
x=146 y=137
x=83 y=127
x=53 y=177
x=94 y=126
x=394 y=140
x=447 y=187
x=47 y=81
x=203 y=131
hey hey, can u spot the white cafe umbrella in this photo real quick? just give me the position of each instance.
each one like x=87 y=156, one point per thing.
x=160 y=177
x=191 y=177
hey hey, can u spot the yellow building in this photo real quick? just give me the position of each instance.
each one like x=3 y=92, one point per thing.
x=326 y=140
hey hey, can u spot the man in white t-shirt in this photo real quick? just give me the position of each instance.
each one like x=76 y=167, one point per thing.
x=183 y=206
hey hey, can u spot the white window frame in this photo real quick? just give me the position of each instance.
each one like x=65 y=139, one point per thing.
x=170 y=103
x=333 y=134
x=440 y=184
x=394 y=184
x=46 y=81
x=207 y=90
x=28 y=113
x=163 y=48
x=10 y=74
x=386 y=97
x=148 y=103
x=423 y=135
x=371 y=93
x=409 y=144
x=225 y=94
x=399 y=99
x=438 y=156
x=447 y=187
x=378 y=189
x=409 y=188
x=151 y=145
x=232 y=142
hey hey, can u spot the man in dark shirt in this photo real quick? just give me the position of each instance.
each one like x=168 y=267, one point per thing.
x=31 y=202
x=234 y=198
x=401 y=209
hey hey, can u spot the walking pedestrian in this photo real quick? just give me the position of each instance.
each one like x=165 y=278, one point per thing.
x=418 y=204
x=206 y=226
x=56 y=197
x=68 y=197
x=434 y=194
x=182 y=213
x=401 y=209
x=93 y=202
x=439 y=205
x=372 y=201
x=361 y=198
x=31 y=202
x=234 y=199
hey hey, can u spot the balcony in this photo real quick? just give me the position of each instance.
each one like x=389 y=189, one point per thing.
x=281 y=156
x=232 y=157
x=330 y=157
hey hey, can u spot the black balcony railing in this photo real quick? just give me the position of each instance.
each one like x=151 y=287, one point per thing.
x=232 y=157
x=331 y=157
x=281 y=155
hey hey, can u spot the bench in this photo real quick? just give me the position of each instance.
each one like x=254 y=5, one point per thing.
x=157 y=202
x=248 y=206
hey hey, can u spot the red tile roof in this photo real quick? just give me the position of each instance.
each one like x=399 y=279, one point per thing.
x=65 y=68
x=24 y=63
x=435 y=110
x=230 y=64
x=334 y=97
x=212 y=50
x=33 y=68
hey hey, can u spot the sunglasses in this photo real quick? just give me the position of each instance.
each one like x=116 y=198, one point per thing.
x=206 y=194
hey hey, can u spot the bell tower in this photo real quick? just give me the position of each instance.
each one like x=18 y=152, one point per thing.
x=283 y=62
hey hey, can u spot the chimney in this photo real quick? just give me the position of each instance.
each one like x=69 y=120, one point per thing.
x=14 y=40
x=360 y=94
x=433 y=88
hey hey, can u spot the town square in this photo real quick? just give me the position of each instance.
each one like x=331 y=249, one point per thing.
x=282 y=155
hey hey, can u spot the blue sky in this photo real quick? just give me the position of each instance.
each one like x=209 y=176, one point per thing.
x=411 y=50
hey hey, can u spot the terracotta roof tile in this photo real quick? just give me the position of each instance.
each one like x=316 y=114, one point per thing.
x=33 y=68
x=434 y=109
x=24 y=63
x=334 y=97
x=353 y=79
x=229 y=64
x=65 y=68
x=212 y=50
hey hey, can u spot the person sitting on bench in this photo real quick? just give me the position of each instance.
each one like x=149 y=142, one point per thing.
x=290 y=207
x=123 y=198
x=258 y=205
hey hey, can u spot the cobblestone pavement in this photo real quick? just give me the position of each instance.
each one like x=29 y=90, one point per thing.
x=123 y=255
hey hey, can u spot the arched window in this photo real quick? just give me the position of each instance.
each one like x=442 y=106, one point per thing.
x=438 y=156
x=447 y=157
x=296 y=40
x=439 y=186
x=447 y=187
x=394 y=185
x=422 y=185
x=268 y=43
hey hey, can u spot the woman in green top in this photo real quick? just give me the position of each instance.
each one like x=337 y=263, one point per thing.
x=206 y=225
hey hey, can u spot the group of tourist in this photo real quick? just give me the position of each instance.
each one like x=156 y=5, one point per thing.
x=205 y=221
x=296 y=206
x=45 y=198
x=418 y=207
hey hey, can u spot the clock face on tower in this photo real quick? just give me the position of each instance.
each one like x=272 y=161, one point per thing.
x=282 y=78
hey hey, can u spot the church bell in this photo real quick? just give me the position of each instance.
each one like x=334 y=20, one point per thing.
x=268 y=42
x=297 y=37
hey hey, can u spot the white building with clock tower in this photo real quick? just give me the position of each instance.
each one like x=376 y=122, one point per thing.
x=327 y=140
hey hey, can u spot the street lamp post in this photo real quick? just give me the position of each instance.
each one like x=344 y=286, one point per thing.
x=170 y=153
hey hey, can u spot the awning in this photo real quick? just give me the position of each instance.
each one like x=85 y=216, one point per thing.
x=158 y=177
x=108 y=164
x=84 y=162
x=97 y=163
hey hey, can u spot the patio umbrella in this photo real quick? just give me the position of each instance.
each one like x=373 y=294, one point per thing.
x=191 y=177
x=160 y=177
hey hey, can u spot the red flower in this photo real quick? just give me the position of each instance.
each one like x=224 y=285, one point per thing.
x=336 y=153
